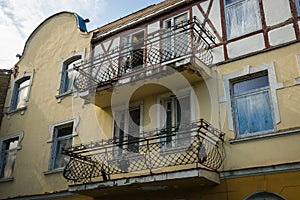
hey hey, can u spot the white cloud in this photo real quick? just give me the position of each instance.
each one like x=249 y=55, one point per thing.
x=20 y=18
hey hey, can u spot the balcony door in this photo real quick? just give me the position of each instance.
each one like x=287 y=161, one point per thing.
x=126 y=131
x=132 y=52
x=177 y=114
x=174 y=37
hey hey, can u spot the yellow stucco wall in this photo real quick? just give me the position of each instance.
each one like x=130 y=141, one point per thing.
x=277 y=149
x=56 y=38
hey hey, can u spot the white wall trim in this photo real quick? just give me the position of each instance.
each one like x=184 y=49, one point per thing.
x=75 y=121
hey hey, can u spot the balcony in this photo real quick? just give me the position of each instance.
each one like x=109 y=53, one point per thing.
x=188 y=40
x=193 y=146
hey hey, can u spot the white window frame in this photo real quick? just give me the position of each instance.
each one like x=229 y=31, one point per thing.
x=273 y=84
x=240 y=32
x=171 y=41
x=180 y=93
x=52 y=138
x=250 y=93
x=172 y=19
x=12 y=107
x=74 y=56
x=20 y=136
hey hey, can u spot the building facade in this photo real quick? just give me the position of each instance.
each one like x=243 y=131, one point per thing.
x=192 y=99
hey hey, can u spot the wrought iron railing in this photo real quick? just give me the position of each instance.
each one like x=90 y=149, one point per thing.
x=198 y=142
x=187 y=38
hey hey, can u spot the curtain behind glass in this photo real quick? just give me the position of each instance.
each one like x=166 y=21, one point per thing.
x=253 y=113
x=242 y=18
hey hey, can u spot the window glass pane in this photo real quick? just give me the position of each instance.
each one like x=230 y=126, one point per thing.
x=183 y=110
x=70 y=74
x=229 y=1
x=8 y=157
x=250 y=84
x=183 y=118
x=9 y=163
x=119 y=132
x=253 y=113
x=24 y=83
x=134 y=130
x=65 y=130
x=242 y=18
x=22 y=96
x=179 y=19
x=61 y=159
x=297 y=3
x=62 y=140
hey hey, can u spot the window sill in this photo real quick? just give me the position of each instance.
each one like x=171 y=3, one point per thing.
x=54 y=171
x=8 y=179
x=20 y=110
x=59 y=97
x=265 y=136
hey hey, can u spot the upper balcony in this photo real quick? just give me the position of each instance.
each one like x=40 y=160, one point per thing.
x=191 y=152
x=188 y=42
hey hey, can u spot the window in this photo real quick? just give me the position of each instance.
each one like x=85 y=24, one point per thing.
x=172 y=42
x=9 y=147
x=127 y=130
x=265 y=195
x=297 y=3
x=68 y=74
x=177 y=113
x=62 y=139
x=252 y=105
x=242 y=17
x=132 y=51
x=20 y=92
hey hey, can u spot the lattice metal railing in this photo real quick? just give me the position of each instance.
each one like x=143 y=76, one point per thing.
x=187 y=38
x=198 y=142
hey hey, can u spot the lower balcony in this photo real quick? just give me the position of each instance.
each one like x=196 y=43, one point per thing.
x=190 y=154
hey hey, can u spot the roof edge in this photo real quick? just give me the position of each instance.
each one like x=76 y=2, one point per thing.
x=79 y=21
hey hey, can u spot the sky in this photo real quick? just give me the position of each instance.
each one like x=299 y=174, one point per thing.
x=19 y=18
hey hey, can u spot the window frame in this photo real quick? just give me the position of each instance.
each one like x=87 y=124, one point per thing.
x=168 y=44
x=247 y=70
x=241 y=33
x=66 y=61
x=260 y=194
x=250 y=93
x=19 y=137
x=54 y=140
x=128 y=50
x=297 y=6
x=16 y=90
x=180 y=94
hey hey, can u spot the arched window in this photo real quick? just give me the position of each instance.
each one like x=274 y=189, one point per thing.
x=264 y=195
x=20 y=92
x=68 y=74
